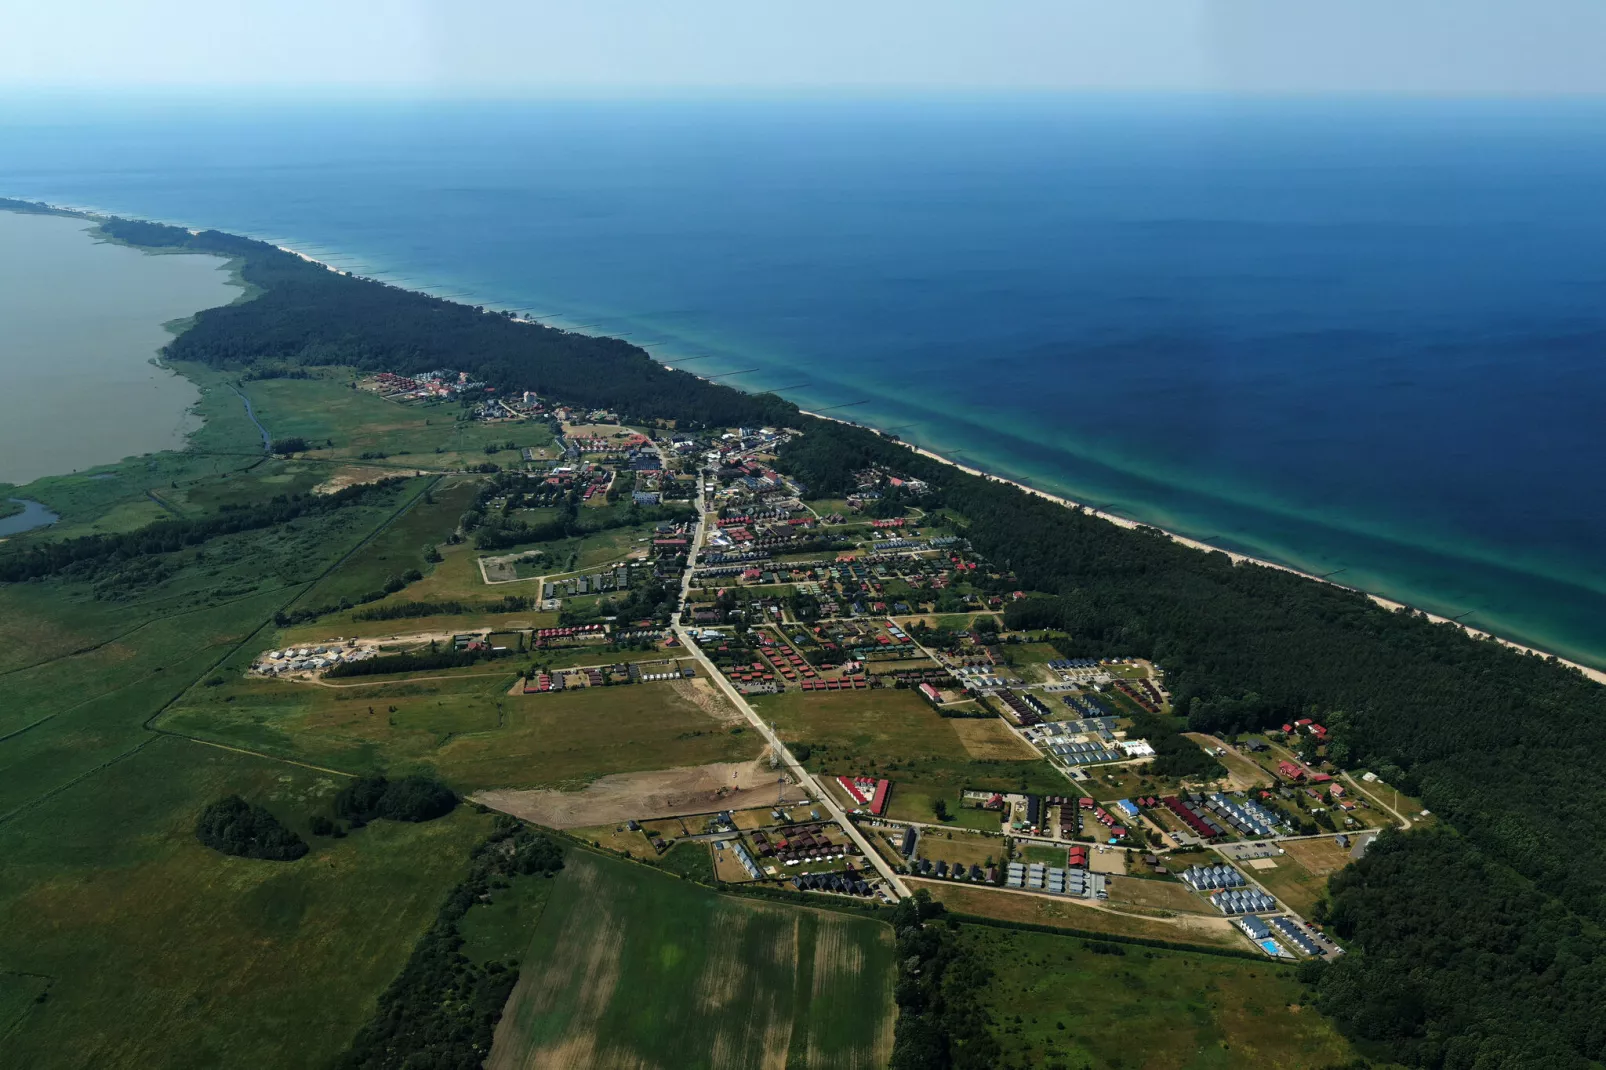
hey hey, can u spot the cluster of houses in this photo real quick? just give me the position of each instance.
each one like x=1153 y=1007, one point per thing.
x=615 y=579
x=1193 y=814
x=805 y=843
x=1294 y=934
x=1243 y=901
x=600 y=675
x=1076 y=882
x=436 y=384
x=1212 y=878
x=1145 y=694
x=841 y=884
x=1090 y=741
x=1211 y=816
x=1084 y=672
x=867 y=791
x=941 y=870
x=543 y=637
x=1027 y=707
x=1247 y=816
x=307 y=659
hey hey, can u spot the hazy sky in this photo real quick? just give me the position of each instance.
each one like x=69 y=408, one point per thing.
x=466 y=47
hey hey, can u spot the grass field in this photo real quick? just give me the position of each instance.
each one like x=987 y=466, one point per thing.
x=360 y=421
x=467 y=728
x=1203 y=930
x=895 y=734
x=1055 y=1002
x=399 y=547
x=1322 y=857
x=964 y=847
x=1291 y=882
x=165 y=953
x=629 y=967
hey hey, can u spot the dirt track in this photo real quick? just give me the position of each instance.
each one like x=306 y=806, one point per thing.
x=645 y=796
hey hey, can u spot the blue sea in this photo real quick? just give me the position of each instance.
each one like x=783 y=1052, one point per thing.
x=1361 y=337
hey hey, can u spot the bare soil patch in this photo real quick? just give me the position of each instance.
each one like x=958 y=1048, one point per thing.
x=356 y=476
x=698 y=789
x=703 y=695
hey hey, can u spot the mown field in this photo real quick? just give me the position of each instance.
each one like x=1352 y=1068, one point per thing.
x=1057 y=1002
x=895 y=734
x=466 y=727
x=629 y=967
x=1078 y=914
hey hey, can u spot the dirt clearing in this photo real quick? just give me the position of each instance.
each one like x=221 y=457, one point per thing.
x=698 y=789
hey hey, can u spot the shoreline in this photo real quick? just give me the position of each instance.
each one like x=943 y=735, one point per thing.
x=1597 y=675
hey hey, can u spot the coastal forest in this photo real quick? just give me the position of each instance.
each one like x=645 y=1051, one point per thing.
x=1480 y=945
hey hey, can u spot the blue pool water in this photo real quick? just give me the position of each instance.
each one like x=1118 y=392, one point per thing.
x=1357 y=336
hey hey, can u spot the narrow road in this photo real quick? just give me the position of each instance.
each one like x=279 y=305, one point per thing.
x=799 y=774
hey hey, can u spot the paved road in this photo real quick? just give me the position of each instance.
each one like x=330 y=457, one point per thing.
x=799 y=774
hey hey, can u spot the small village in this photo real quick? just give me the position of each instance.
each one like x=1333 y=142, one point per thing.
x=806 y=617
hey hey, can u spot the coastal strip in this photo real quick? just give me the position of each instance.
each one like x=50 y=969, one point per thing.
x=1597 y=675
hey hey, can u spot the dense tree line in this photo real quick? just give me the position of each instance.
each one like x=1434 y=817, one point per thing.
x=941 y=1022
x=495 y=532
x=1463 y=964
x=441 y=1013
x=305 y=315
x=412 y=798
x=88 y=555
x=399 y=610
x=236 y=827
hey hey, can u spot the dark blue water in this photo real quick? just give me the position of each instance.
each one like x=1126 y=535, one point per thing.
x=1367 y=336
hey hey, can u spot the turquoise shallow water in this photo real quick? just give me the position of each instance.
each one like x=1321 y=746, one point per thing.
x=1365 y=337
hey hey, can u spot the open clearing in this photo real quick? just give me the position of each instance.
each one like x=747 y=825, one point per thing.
x=699 y=789
x=1157 y=1009
x=1291 y=882
x=632 y=968
x=989 y=737
x=1242 y=774
x=1322 y=856
x=470 y=730
x=895 y=734
x=166 y=953
x=1061 y=912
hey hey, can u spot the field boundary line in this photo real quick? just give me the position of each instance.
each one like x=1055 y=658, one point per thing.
x=85 y=775
x=144 y=624
x=261 y=754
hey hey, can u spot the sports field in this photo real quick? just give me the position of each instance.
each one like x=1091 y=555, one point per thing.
x=1056 y=1001
x=629 y=967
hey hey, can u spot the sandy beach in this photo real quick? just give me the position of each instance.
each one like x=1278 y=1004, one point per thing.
x=1597 y=675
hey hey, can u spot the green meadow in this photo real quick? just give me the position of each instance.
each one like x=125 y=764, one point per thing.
x=630 y=967
x=1057 y=1001
x=161 y=952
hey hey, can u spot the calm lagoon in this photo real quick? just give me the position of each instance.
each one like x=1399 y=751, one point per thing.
x=80 y=321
